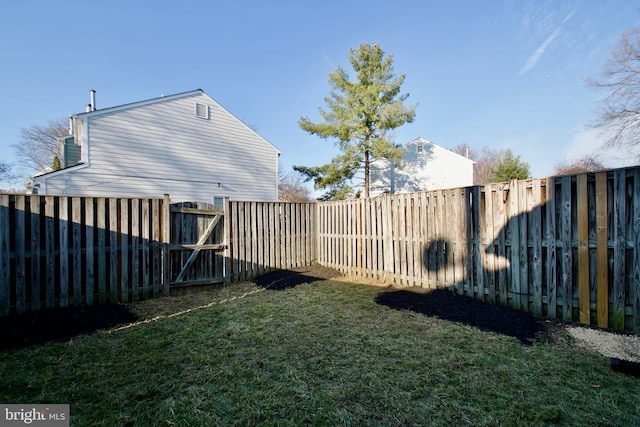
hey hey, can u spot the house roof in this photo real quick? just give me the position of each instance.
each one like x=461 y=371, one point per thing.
x=139 y=103
x=421 y=140
x=162 y=98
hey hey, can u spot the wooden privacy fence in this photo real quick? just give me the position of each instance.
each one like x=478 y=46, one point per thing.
x=59 y=251
x=266 y=236
x=564 y=247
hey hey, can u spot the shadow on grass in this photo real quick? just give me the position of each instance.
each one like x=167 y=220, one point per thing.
x=59 y=324
x=446 y=305
x=279 y=280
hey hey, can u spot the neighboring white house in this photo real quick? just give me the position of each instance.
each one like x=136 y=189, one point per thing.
x=185 y=145
x=424 y=166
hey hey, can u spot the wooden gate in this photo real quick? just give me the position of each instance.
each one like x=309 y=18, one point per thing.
x=198 y=246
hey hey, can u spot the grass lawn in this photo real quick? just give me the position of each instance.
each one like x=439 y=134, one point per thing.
x=316 y=354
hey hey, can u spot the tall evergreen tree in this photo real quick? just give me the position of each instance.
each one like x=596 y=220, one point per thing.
x=57 y=165
x=360 y=115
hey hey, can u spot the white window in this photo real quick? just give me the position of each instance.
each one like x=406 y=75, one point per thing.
x=202 y=111
x=218 y=202
x=419 y=148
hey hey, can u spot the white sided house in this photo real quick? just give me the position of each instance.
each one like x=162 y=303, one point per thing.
x=425 y=166
x=185 y=145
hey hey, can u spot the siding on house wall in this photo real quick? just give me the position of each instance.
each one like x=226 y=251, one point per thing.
x=70 y=151
x=162 y=147
x=433 y=168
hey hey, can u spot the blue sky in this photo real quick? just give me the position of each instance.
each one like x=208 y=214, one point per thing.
x=504 y=74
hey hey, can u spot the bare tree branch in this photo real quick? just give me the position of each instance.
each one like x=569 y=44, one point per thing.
x=38 y=144
x=619 y=116
x=587 y=163
x=291 y=188
x=485 y=160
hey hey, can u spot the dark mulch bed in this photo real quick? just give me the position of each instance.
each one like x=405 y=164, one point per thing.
x=446 y=305
x=60 y=324
x=279 y=280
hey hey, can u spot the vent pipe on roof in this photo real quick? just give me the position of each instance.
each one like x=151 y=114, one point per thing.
x=70 y=125
x=93 y=100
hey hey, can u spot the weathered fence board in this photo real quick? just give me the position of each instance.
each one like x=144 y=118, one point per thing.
x=5 y=252
x=583 y=249
x=619 y=250
x=35 y=249
x=634 y=283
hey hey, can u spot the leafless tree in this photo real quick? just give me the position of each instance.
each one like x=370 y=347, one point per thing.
x=8 y=178
x=38 y=144
x=588 y=163
x=485 y=159
x=4 y=168
x=291 y=188
x=5 y=171
x=619 y=113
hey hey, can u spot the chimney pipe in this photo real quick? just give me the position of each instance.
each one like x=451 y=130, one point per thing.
x=70 y=125
x=93 y=100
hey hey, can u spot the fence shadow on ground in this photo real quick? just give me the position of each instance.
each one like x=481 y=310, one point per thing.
x=59 y=324
x=279 y=280
x=446 y=305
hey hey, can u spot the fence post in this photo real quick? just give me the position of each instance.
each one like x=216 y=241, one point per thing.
x=635 y=276
x=20 y=251
x=602 y=256
x=226 y=240
x=619 y=250
x=166 y=241
x=387 y=236
x=583 y=249
x=567 y=253
x=34 y=283
x=552 y=283
x=5 y=249
x=514 y=229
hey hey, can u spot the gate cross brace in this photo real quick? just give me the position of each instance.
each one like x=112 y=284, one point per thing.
x=194 y=254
